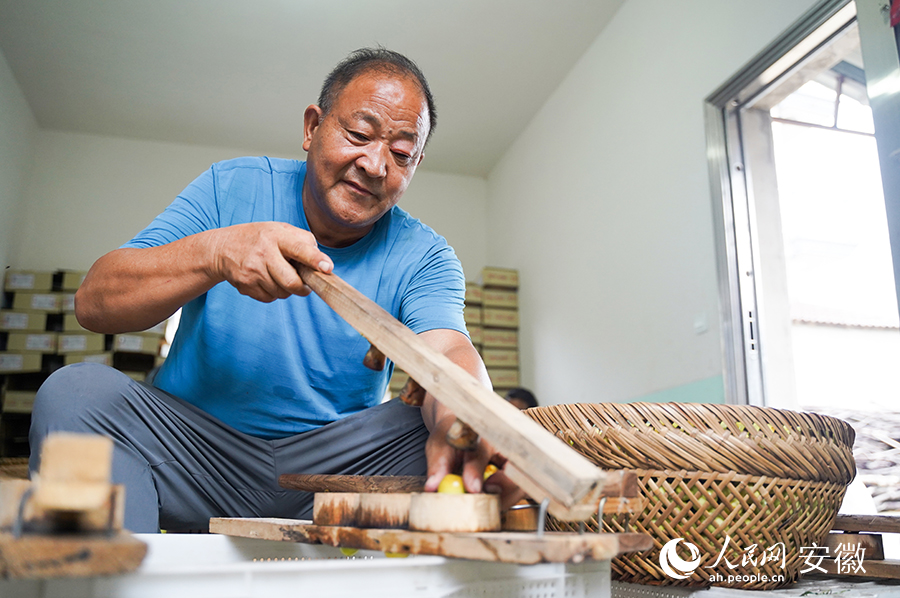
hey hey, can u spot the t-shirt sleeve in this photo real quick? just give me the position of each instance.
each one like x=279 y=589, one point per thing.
x=192 y=212
x=436 y=293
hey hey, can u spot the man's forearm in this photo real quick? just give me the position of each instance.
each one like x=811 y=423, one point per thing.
x=134 y=289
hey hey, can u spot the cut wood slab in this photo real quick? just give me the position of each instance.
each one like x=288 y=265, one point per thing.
x=432 y=512
x=503 y=547
x=561 y=474
x=867 y=523
x=870 y=569
x=619 y=483
x=34 y=556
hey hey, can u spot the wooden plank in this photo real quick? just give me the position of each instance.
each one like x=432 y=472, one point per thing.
x=889 y=569
x=554 y=467
x=34 y=556
x=867 y=523
x=503 y=547
x=352 y=483
x=619 y=483
x=433 y=512
x=74 y=473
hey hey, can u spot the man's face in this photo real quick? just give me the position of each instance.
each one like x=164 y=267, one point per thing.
x=362 y=155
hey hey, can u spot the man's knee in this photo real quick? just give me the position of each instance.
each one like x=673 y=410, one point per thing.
x=71 y=396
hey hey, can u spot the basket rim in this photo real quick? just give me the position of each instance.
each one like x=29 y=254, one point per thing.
x=744 y=438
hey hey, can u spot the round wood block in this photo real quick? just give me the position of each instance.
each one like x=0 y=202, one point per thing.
x=386 y=511
x=336 y=508
x=433 y=512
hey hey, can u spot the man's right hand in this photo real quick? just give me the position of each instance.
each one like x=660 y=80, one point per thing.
x=256 y=258
x=131 y=289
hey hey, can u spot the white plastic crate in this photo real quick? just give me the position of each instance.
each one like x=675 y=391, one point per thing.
x=207 y=566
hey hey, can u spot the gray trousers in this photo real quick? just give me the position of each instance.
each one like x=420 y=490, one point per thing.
x=180 y=466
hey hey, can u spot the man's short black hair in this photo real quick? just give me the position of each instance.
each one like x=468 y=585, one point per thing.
x=523 y=395
x=378 y=59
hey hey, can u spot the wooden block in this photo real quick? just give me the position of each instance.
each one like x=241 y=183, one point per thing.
x=433 y=512
x=871 y=546
x=384 y=511
x=109 y=515
x=336 y=508
x=502 y=547
x=34 y=556
x=868 y=523
x=74 y=473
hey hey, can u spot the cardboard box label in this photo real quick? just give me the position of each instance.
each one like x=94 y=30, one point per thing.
x=500 y=318
x=500 y=277
x=18 y=281
x=75 y=342
x=14 y=321
x=45 y=302
x=499 y=337
x=40 y=342
x=11 y=362
x=476 y=334
x=29 y=281
x=504 y=378
x=495 y=298
x=68 y=302
x=127 y=342
x=500 y=358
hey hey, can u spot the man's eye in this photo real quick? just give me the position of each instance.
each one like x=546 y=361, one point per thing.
x=358 y=136
x=402 y=158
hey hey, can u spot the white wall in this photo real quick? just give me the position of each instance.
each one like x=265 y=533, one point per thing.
x=17 y=138
x=89 y=194
x=603 y=203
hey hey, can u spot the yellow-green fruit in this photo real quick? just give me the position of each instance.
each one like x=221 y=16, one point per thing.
x=396 y=555
x=490 y=470
x=349 y=551
x=452 y=484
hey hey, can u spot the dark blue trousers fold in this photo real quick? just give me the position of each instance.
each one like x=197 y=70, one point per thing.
x=180 y=466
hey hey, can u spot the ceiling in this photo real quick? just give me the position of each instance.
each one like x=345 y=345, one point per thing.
x=239 y=73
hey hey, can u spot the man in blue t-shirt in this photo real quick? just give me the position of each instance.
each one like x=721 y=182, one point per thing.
x=264 y=378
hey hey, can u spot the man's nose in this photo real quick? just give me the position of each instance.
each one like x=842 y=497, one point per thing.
x=374 y=160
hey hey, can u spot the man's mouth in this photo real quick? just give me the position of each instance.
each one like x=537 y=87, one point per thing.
x=358 y=188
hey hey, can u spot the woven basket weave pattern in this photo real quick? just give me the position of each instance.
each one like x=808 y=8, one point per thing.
x=691 y=436
x=710 y=472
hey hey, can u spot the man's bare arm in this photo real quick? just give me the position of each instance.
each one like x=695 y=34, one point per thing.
x=134 y=289
x=443 y=458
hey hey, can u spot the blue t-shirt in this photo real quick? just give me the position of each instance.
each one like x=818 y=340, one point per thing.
x=277 y=369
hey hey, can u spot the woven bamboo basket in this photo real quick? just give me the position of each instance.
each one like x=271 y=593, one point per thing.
x=748 y=487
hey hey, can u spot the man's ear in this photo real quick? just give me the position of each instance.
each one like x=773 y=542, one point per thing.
x=419 y=161
x=312 y=118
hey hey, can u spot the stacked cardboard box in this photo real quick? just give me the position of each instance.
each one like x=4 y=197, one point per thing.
x=39 y=334
x=499 y=331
